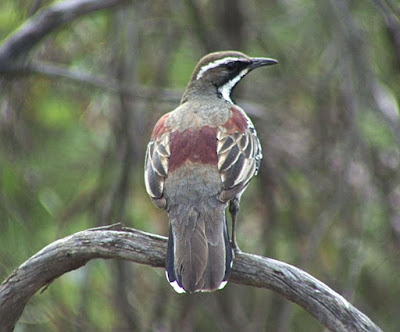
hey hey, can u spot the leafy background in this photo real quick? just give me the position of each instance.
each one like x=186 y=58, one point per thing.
x=327 y=198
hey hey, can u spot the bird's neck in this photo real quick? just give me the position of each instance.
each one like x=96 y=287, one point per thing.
x=210 y=92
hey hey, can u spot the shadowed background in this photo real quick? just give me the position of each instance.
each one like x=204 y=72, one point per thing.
x=327 y=198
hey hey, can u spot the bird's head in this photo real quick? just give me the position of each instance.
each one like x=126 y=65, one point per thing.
x=220 y=72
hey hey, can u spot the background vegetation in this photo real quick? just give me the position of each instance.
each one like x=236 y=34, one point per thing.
x=73 y=134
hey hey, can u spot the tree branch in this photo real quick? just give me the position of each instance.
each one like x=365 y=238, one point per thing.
x=106 y=83
x=45 y=22
x=115 y=241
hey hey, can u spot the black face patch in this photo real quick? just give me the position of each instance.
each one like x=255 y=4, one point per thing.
x=232 y=69
x=232 y=66
x=230 y=75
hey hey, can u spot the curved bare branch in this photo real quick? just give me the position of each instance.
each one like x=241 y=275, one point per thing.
x=74 y=251
x=43 y=23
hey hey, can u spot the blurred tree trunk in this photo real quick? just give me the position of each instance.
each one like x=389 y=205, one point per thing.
x=230 y=20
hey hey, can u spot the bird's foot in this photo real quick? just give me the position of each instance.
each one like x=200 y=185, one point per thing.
x=235 y=247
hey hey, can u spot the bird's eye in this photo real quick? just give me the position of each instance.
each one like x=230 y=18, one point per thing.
x=231 y=66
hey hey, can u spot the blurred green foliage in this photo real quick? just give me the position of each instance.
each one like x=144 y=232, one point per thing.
x=327 y=198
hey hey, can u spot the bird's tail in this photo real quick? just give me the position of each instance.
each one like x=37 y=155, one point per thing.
x=199 y=256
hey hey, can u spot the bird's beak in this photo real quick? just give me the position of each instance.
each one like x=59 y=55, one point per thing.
x=258 y=62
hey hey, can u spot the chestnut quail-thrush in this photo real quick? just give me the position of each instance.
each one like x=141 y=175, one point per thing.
x=201 y=157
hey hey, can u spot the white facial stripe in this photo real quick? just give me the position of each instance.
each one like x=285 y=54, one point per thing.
x=214 y=64
x=226 y=89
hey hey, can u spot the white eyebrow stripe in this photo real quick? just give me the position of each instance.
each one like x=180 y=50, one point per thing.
x=214 y=64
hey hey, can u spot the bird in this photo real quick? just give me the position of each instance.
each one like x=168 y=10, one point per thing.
x=200 y=159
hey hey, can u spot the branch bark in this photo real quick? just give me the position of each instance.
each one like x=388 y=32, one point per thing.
x=43 y=23
x=115 y=241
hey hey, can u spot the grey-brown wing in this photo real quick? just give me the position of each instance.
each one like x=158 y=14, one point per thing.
x=239 y=157
x=156 y=168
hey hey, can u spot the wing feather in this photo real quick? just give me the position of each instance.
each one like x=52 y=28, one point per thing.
x=229 y=158
x=225 y=144
x=239 y=157
x=156 y=168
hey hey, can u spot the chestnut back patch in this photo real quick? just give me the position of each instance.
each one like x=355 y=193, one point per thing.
x=197 y=145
